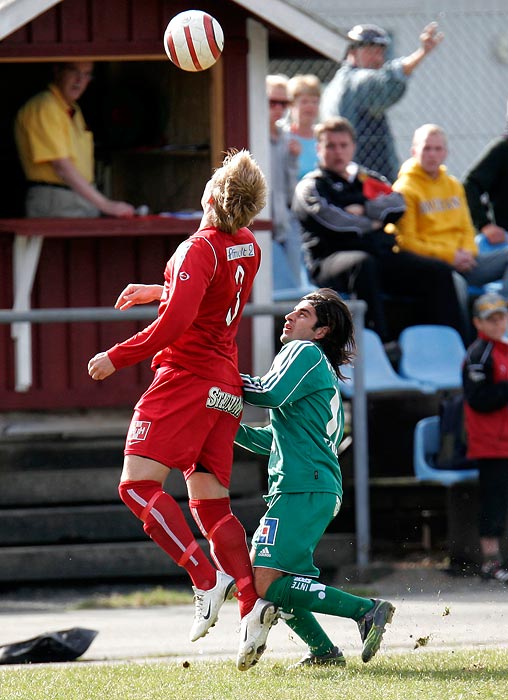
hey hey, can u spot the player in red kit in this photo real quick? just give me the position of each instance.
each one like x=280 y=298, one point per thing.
x=188 y=417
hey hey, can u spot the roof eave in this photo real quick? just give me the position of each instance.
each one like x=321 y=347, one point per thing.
x=301 y=25
x=14 y=14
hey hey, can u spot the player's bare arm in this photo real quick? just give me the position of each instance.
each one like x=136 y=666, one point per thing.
x=138 y=294
x=100 y=366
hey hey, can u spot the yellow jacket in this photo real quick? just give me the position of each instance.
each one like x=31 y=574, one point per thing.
x=437 y=221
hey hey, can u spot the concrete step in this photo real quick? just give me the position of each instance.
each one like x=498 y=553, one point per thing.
x=61 y=517
x=97 y=523
x=38 y=487
x=75 y=454
x=126 y=561
x=61 y=454
x=26 y=426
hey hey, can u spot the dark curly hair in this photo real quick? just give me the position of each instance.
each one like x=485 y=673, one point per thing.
x=339 y=343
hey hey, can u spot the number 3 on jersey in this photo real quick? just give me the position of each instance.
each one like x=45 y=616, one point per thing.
x=232 y=313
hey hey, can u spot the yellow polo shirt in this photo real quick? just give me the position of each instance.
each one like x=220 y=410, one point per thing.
x=45 y=131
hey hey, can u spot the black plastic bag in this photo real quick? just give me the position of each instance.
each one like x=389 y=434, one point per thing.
x=65 y=645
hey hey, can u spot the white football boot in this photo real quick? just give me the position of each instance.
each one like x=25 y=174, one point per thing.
x=254 y=628
x=208 y=603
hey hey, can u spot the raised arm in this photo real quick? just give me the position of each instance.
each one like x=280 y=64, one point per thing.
x=429 y=39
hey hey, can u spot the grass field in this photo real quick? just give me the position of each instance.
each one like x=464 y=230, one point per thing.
x=141 y=598
x=462 y=675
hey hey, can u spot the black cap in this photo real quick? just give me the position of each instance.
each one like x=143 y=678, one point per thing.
x=368 y=34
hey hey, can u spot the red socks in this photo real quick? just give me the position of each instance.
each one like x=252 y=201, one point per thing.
x=165 y=524
x=228 y=545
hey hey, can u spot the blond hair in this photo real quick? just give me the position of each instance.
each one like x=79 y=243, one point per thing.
x=304 y=85
x=426 y=130
x=276 y=81
x=238 y=191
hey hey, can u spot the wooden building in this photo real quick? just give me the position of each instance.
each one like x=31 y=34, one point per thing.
x=158 y=132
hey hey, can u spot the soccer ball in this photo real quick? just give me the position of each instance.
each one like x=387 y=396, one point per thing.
x=193 y=40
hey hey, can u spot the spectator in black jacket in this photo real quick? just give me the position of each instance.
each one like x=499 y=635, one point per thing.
x=486 y=186
x=485 y=379
x=343 y=209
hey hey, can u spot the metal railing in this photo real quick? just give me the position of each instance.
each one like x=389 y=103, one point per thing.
x=106 y=313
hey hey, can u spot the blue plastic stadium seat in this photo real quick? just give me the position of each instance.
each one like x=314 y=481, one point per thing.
x=380 y=377
x=496 y=286
x=425 y=449
x=433 y=356
x=285 y=287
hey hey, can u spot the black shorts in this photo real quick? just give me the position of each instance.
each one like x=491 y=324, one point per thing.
x=493 y=496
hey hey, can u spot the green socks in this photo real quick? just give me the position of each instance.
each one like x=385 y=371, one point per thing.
x=293 y=592
x=304 y=624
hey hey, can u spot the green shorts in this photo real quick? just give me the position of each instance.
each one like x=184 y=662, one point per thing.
x=290 y=530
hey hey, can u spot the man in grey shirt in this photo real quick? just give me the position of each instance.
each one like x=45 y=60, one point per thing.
x=365 y=86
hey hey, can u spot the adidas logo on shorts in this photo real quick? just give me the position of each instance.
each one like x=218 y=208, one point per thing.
x=264 y=552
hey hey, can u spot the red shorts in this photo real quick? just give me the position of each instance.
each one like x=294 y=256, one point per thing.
x=183 y=420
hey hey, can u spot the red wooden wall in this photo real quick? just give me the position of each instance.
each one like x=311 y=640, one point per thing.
x=104 y=28
x=84 y=272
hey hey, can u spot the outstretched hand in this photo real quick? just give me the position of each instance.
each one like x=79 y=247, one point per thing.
x=431 y=37
x=138 y=294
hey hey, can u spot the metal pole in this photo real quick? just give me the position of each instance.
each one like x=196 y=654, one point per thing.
x=107 y=313
x=360 y=442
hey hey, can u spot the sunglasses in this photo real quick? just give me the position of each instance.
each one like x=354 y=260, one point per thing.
x=278 y=103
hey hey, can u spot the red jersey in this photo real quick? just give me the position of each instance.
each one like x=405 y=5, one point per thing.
x=485 y=382
x=207 y=283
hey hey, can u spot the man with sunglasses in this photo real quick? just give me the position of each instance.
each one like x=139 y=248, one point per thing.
x=284 y=152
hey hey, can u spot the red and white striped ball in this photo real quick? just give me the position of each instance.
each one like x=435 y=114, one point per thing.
x=193 y=40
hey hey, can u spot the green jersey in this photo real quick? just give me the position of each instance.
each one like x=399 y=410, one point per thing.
x=307 y=421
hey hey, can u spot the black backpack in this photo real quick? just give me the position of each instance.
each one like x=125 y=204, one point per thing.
x=452 y=434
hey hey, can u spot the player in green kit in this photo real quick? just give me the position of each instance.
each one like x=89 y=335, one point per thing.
x=305 y=484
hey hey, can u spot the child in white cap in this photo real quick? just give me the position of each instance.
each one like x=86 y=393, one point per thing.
x=485 y=380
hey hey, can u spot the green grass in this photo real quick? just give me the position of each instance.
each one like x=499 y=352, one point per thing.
x=462 y=675
x=149 y=597
x=144 y=598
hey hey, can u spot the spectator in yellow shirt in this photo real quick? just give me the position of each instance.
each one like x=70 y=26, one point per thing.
x=56 y=150
x=437 y=222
